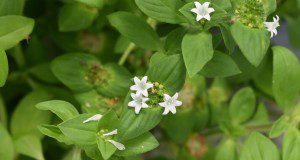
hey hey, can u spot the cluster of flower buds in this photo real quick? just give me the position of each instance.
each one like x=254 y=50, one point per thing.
x=140 y=98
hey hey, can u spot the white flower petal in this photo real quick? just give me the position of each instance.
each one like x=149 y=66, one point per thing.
x=136 y=80
x=144 y=79
x=197 y=4
x=114 y=132
x=173 y=109
x=93 y=118
x=132 y=104
x=195 y=10
x=144 y=105
x=118 y=145
x=149 y=85
x=166 y=111
x=163 y=104
x=178 y=103
x=210 y=10
x=137 y=109
x=175 y=95
x=206 y=4
x=134 y=88
x=167 y=97
x=199 y=17
x=207 y=16
x=145 y=93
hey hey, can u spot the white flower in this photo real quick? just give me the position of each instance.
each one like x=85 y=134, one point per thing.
x=271 y=26
x=202 y=11
x=87 y=104
x=118 y=145
x=141 y=86
x=170 y=103
x=114 y=132
x=96 y=117
x=138 y=102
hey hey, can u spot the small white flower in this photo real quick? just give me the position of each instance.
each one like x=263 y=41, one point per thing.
x=87 y=104
x=114 y=132
x=271 y=26
x=96 y=117
x=170 y=103
x=202 y=11
x=141 y=86
x=120 y=146
x=138 y=102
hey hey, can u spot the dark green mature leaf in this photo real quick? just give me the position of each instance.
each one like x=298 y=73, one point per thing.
x=6 y=144
x=293 y=27
x=62 y=109
x=76 y=16
x=3 y=114
x=279 y=126
x=197 y=50
x=3 y=68
x=29 y=145
x=134 y=125
x=106 y=148
x=43 y=72
x=54 y=132
x=11 y=7
x=221 y=65
x=286 y=77
x=169 y=71
x=139 y=145
x=258 y=147
x=78 y=132
x=242 y=105
x=142 y=34
x=227 y=37
x=291 y=145
x=92 y=3
x=26 y=117
x=174 y=40
x=13 y=29
x=162 y=10
x=227 y=150
x=253 y=43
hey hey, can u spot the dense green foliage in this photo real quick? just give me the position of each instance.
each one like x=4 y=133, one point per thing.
x=70 y=72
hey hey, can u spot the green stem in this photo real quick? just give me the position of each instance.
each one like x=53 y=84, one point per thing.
x=126 y=53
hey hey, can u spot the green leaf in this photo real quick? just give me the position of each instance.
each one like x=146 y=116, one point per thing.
x=142 y=34
x=279 y=126
x=269 y=6
x=54 y=132
x=92 y=3
x=291 y=145
x=139 y=145
x=253 y=43
x=74 y=154
x=6 y=144
x=197 y=50
x=78 y=132
x=227 y=37
x=26 y=117
x=93 y=152
x=11 y=7
x=261 y=117
x=134 y=125
x=293 y=24
x=106 y=148
x=227 y=150
x=109 y=121
x=169 y=71
x=286 y=77
x=174 y=40
x=29 y=145
x=242 y=105
x=76 y=16
x=13 y=29
x=64 y=110
x=3 y=114
x=221 y=65
x=3 y=68
x=162 y=10
x=43 y=72
x=258 y=147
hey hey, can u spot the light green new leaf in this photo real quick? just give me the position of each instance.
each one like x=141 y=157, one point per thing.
x=197 y=50
x=135 y=29
x=3 y=68
x=109 y=121
x=261 y=117
x=13 y=29
x=258 y=147
x=291 y=145
x=221 y=65
x=253 y=43
x=6 y=145
x=169 y=71
x=162 y=10
x=106 y=148
x=29 y=145
x=78 y=132
x=11 y=7
x=227 y=150
x=54 y=132
x=139 y=145
x=64 y=110
x=92 y=3
x=279 y=126
x=76 y=16
x=286 y=77
x=242 y=105
x=26 y=117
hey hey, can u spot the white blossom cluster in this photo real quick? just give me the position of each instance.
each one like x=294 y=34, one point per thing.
x=140 y=98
